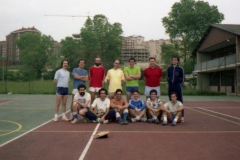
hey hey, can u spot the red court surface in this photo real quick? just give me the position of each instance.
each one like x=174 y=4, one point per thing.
x=204 y=135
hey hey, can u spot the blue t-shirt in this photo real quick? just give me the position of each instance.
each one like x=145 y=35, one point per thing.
x=80 y=72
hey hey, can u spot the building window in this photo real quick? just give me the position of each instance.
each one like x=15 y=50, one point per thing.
x=214 y=79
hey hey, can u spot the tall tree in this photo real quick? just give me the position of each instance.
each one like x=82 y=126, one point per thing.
x=35 y=49
x=187 y=22
x=100 y=38
x=71 y=50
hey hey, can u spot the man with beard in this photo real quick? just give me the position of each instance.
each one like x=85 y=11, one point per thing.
x=80 y=76
x=81 y=101
x=96 y=77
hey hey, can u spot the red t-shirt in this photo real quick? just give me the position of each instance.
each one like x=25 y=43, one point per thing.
x=96 y=76
x=153 y=76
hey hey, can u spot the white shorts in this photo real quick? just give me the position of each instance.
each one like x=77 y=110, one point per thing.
x=148 y=89
x=94 y=89
x=74 y=91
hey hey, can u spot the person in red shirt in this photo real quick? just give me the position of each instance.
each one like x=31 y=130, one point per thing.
x=96 y=77
x=152 y=77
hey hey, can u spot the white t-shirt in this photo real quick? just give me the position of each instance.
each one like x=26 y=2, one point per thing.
x=83 y=99
x=101 y=105
x=155 y=104
x=63 y=77
x=172 y=107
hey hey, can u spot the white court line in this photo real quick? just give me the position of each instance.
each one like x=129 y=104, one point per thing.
x=28 y=132
x=219 y=113
x=89 y=143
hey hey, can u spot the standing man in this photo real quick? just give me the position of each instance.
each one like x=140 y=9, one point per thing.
x=132 y=74
x=121 y=107
x=61 y=79
x=80 y=76
x=175 y=78
x=152 y=77
x=96 y=77
x=173 y=110
x=115 y=79
x=81 y=101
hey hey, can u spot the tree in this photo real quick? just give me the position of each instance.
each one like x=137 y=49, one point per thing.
x=188 y=21
x=35 y=49
x=71 y=50
x=100 y=38
x=168 y=51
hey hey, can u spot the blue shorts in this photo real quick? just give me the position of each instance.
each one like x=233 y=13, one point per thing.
x=131 y=89
x=63 y=91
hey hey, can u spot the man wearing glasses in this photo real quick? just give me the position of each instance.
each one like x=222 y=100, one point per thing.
x=115 y=79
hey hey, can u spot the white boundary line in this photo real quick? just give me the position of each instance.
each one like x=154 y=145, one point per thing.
x=219 y=113
x=28 y=131
x=89 y=143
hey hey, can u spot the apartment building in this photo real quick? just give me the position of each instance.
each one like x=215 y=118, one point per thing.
x=218 y=59
x=3 y=48
x=13 y=53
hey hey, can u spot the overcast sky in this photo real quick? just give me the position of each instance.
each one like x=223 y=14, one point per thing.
x=138 y=17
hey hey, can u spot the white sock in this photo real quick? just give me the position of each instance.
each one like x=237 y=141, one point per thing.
x=176 y=119
x=154 y=117
x=63 y=114
x=137 y=118
x=56 y=115
x=165 y=118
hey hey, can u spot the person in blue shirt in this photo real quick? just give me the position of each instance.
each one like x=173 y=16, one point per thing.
x=80 y=76
x=137 y=108
x=175 y=78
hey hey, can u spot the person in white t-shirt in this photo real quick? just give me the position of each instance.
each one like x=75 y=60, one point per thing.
x=81 y=101
x=173 y=110
x=100 y=108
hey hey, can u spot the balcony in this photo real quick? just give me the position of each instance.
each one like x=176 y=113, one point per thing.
x=216 y=63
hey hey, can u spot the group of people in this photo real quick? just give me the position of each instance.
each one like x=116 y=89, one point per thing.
x=101 y=105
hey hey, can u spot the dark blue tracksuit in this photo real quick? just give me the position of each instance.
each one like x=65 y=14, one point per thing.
x=175 y=77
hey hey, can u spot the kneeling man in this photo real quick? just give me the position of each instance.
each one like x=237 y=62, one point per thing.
x=81 y=102
x=102 y=105
x=173 y=110
x=137 y=108
x=121 y=107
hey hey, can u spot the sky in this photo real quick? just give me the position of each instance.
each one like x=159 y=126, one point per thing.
x=138 y=17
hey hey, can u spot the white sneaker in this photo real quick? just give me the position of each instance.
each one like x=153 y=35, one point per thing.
x=96 y=121
x=106 y=121
x=143 y=119
x=64 y=118
x=70 y=117
x=75 y=120
x=55 y=119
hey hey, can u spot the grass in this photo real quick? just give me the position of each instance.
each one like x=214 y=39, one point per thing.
x=48 y=87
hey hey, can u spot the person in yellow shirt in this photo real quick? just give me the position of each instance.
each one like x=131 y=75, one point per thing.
x=115 y=79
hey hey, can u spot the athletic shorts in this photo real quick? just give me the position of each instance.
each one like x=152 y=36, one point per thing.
x=63 y=91
x=148 y=89
x=94 y=89
x=131 y=89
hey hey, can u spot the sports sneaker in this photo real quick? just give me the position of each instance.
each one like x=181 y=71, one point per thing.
x=173 y=123
x=96 y=121
x=133 y=120
x=75 y=120
x=70 y=117
x=164 y=123
x=156 y=121
x=150 y=120
x=64 y=118
x=125 y=122
x=106 y=121
x=85 y=119
x=120 y=121
x=143 y=119
x=55 y=119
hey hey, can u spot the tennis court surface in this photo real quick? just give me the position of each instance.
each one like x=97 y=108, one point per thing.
x=211 y=131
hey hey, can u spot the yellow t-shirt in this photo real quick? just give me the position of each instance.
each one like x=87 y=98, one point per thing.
x=115 y=78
